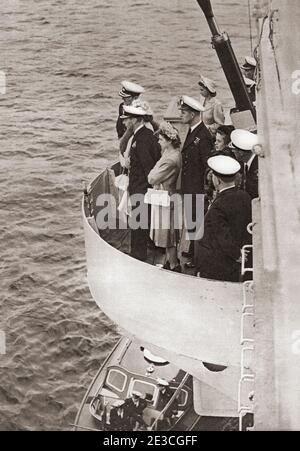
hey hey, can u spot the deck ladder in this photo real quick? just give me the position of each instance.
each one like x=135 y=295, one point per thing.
x=246 y=382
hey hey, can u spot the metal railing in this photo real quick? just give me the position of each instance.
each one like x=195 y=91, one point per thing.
x=169 y=403
x=247 y=343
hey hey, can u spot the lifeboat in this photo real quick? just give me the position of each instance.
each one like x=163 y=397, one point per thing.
x=192 y=404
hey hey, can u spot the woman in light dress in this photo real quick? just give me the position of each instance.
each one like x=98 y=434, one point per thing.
x=164 y=177
x=213 y=115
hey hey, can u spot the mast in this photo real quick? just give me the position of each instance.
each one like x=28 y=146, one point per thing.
x=231 y=68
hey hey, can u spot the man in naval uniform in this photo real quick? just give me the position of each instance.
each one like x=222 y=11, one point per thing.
x=242 y=143
x=195 y=151
x=144 y=153
x=165 y=396
x=251 y=88
x=249 y=67
x=225 y=224
x=129 y=92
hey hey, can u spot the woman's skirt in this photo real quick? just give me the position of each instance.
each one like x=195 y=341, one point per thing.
x=163 y=232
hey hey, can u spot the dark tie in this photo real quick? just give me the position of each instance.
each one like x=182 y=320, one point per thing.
x=188 y=134
x=245 y=175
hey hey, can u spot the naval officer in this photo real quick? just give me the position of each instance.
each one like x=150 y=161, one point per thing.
x=251 y=88
x=225 y=224
x=249 y=67
x=133 y=409
x=144 y=153
x=195 y=151
x=130 y=91
x=242 y=143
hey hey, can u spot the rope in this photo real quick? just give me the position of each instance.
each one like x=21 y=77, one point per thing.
x=256 y=54
x=271 y=38
x=250 y=26
x=173 y=397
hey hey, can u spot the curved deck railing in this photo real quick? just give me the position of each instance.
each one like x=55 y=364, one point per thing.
x=194 y=319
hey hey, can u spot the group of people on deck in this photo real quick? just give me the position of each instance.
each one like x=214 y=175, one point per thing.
x=214 y=160
x=127 y=415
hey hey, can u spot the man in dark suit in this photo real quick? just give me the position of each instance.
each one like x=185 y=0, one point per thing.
x=133 y=410
x=117 y=418
x=225 y=224
x=196 y=149
x=144 y=153
x=243 y=142
x=129 y=92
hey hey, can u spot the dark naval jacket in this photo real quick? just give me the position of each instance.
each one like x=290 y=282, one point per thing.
x=195 y=152
x=144 y=153
x=121 y=129
x=225 y=233
x=251 y=185
x=249 y=177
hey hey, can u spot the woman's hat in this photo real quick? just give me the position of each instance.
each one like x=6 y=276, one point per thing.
x=167 y=129
x=130 y=89
x=208 y=84
x=224 y=165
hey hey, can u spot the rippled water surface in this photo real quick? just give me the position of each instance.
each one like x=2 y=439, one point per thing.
x=64 y=61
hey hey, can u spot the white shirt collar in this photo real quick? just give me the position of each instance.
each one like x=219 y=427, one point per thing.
x=194 y=126
x=141 y=126
x=228 y=187
x=249 y=162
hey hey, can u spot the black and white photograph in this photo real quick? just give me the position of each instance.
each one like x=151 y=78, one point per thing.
x=150 y=222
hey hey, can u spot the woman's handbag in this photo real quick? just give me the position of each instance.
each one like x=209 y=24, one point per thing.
x=121 y=182
x=157 y=197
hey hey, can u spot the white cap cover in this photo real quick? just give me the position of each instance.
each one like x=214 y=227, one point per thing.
x=137 y=394
x=130 y=89
x=162 y=382
x=131 y=110
x=243 y=139
x=249 y=61
x=249 y=82
x=224 y=165
x=191 y=103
